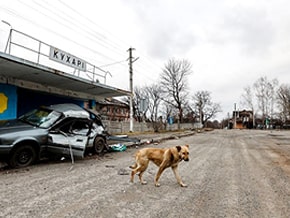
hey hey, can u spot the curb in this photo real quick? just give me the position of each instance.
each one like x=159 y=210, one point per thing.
x=159 y=139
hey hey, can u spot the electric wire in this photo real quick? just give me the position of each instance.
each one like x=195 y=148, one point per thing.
x=57 y=33
x=72 y=21
x=66 y=26
x=144 y=65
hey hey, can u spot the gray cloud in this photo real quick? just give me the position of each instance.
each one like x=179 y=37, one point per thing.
x=167 y=27
x=250 y=29
x=170 y=42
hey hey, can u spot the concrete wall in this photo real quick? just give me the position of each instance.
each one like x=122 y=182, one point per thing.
x=114 y=127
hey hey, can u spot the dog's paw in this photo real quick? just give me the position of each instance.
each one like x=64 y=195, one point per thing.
x=144 y=183
x=157 y=184
x=183 y=185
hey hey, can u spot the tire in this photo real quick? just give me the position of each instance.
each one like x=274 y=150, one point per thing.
x=22 y=156
x=99 y=145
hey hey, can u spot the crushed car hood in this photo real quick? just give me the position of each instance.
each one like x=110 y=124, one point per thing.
x=10 y=126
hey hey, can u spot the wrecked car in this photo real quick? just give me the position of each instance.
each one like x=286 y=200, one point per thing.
x=54 y=131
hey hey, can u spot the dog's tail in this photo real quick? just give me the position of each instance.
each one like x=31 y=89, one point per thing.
x=134 y=166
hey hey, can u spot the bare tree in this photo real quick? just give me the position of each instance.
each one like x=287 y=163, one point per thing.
x=248 y=100
x=139 y=94
x=167 y=110
x=174 y=84
x=205 y=108
x=283 y=101
x=154 y=99
x=265 y=93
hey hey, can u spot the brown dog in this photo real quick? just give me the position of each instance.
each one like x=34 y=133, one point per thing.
x=164 y=158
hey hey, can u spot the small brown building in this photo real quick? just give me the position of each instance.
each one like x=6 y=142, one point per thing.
x=113 y=109
x=242 y=119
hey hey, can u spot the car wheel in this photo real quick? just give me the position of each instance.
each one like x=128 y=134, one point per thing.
x=22 y=156
x=99 y=145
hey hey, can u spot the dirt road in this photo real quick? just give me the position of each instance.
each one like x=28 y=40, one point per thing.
x=231 y=173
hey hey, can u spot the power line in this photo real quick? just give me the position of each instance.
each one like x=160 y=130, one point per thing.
x=92 y=22
x=118 y=62
x=147 y=59
x=70 y=21
x=84 y=27
x=66 y=26
x=56 y=33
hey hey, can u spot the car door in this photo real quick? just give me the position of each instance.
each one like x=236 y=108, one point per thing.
x=69 y=138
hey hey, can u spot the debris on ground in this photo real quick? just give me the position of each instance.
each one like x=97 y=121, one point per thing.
x=118 y=147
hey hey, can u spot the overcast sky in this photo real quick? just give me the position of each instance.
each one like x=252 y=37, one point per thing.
x=230 y=43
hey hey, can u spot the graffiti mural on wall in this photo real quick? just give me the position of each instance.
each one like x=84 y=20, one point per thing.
x=8 y=102
x=3 y=102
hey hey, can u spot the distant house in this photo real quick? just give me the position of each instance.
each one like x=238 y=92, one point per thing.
x=113 y=109
x=242 y=119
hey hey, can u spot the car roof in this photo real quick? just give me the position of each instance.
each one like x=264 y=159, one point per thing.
x=70 y=110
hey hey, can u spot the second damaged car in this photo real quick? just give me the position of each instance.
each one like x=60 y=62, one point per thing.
x=55 y=131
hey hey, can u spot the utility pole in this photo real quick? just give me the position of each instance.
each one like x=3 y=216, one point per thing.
x=131 y=86
x=235 y=115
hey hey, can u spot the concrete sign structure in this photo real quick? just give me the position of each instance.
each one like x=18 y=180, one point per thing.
x=26 y=84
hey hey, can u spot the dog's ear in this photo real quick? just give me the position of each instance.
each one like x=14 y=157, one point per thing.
x=187 y=146
x=178 y=148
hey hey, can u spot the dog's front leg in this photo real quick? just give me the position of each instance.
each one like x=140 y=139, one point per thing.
x=178 y=178
x=161 y=169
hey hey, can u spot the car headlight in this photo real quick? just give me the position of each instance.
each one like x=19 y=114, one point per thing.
x=4 y=141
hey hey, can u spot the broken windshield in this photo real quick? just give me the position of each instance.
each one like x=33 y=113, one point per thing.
x=43 y=118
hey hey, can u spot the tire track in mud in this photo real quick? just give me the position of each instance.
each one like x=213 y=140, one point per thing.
x=272 y=183
x=236 y=180
x=218 y=197
x=54 y=190
x=230 y=174
x=207 y=193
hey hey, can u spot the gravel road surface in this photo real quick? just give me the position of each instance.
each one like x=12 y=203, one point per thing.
x=231 y=173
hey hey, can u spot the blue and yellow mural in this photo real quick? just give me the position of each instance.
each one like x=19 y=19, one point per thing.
x=15 y=101
x=3 y=102
x=8 y=102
